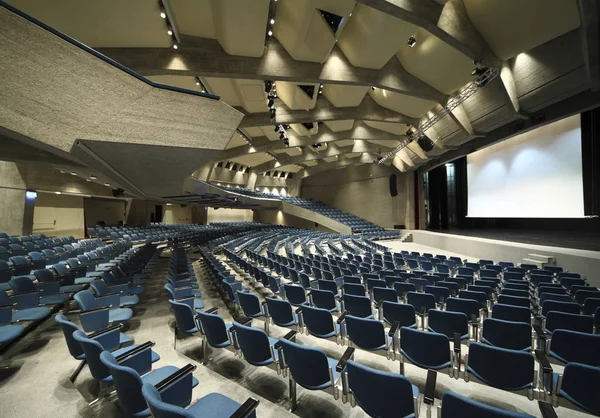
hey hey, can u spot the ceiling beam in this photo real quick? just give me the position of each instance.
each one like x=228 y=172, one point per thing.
x=342 y=162
x=590 y=36
x=324 y=110
x=205 y=57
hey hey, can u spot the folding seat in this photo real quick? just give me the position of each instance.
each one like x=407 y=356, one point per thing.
x=27 y=306
x=461 y=281
x=358 y=306
x=21 y=265
x=511 y=313
x=514 y=301
x=576 y=387
x=507 y=334
x=568 y=282
x=427 y=350
x=23 y=284
x=457 y=406
x=572 y=346
x=383 y=293
x=324 y=299
x=451 y=286
x=8 y=331
x=5 y=275
x=510 y=370
x=87 y=302
x=17 y=249
x=4 y=254
x=582 y=295
x=469 y=307
x=552 y=305
x=572 y=322
x=449 y=323
x=381 y=394
x=513 y=275
x=319 y=323
x=102 y=289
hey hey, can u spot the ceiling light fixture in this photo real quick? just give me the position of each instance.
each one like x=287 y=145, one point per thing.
x=92 y=177
x=272 y=21
x=57 y=192
x=107 y=184
x=169 y=32
x=270 y=33
x=373 y=88
x=163 y=15
x=175 y=46
x=197 y=81
x=412 y=41
x=73 y=173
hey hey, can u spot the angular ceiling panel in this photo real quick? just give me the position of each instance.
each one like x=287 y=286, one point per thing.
x=341 y=95
x=194 y=17
x=294 y=97
x=383 y=143
x=248 y=94
x=290 y=168
x=393 y=128
x=106 y=23
x=372 y=37
x=241 y=30
x=253 y=160
x=436 y=63
x=344 y=142
x=236 y=140
x=340 y=125
x=302 y=29
x=514 y=26
x=406 y=105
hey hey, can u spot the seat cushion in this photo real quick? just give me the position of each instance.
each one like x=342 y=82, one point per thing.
x=74 y=288
x=84 y=280
x=129 y=300
x=120 y=314
x=213 y=405
x=31 y=314
x=54 y=299
x=198 y=304
x=10 y=332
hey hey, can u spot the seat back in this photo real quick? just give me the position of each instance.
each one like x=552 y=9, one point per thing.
x=574 y=322
x=501 y=368
x=22 y=284
x=68 y=328
x=572 y=346
x=127 y=383
x=85 y=300
x=254 y=344
x=425 y=349
x=309 y=366
x=402 y=313
x=280 y=312
x=422 y=302
x=213 y=327
x=384 y=293
x=323 y=299
x=100 y=287
x=380 y=394
x=456 y=406
x=507 y=334
x=250 y=304
x=92 y=350
x=514 y=301
x=469 y=307
x=295 y=294
x=576 y=386
x=358 y=306
x=567 y=307
x=184 y=316
x=158 y=407
x=511 y=313
x=367 y=334
x=328 y=285
x=448 y=323
x=354 y=289
x=318 y=322
x=5 y=272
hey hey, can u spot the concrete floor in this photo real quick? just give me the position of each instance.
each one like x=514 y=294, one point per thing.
x=34 y=373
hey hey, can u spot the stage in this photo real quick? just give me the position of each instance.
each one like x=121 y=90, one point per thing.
x=474 y=248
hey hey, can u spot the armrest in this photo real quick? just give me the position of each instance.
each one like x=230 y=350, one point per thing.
x=394 y=329
x=342 y=317
x=106 y=295
x=212 y=310
x=105 y=330
x=246 y=409
x=299 y=309
x=457 y=343
x=379 y=303
x=118 y=288
x=248 y=320
x=175 y=376
x=288 y=336
x=348 y=355
x=541 y=334
x=543 y=360
x=547 y=410
x=89 y=311
x=135 y=351
x=182 y=287
x=429 y=395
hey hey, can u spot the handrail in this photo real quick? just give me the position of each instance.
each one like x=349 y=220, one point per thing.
x=103 y=57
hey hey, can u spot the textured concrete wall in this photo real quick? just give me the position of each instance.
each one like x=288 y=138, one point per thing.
x=228 y=215
x=199 y=215
x=363 y=191
x=175 y=214
x=139 y=211
x=278 y=217
x=108 y=210
x=12 y=201
x=59 y=215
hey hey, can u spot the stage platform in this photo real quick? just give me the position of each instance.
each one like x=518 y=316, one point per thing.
x=585 y=262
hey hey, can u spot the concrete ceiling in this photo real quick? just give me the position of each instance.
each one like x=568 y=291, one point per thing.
x=375 y=86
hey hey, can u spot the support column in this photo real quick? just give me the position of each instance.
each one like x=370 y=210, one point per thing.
x=16 y=212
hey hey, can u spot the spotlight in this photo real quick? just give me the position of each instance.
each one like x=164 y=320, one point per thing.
x=270 y=33
x=282 y=136
x=175 y=46
x=268 y=86
x=57 y=192
x=479 y=71
x=272 y=113
x=271 y=103
x=276 y=128
x=286 y=142
x=73 y=173
x=373 y=88
x=272 y=21
x=412 y=41
x=197 y=81
x=30 y=194
x=170 y=32
x=93 y=177
x=163 y=15
x=107 y=184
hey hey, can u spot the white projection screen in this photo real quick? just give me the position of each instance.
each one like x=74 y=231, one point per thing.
x=537 y=174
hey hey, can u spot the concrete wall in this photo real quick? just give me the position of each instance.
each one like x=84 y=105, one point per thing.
x=175 y=214
x=59 y=215
x=111 y=211
x=13 y=219
x=278 y=217
x=584 y=262
x=363 y=191
x=139 y=212
x=228 y=215
x=199 y=215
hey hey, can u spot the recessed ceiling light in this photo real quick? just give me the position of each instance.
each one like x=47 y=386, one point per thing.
x=412 y=41
x=88 y=180
x=73 y=173
x=272 y=21
x=93 y=177
x=163 y=15
x=373 y=88
x=175 y=46
x=170 y=32
x=270 y=33
x=107 y=184
x=57 y=192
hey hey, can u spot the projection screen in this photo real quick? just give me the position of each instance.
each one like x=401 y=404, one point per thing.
x=537 y=174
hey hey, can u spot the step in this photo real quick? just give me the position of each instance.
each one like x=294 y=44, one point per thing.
x=538 y=263
x=547 y=259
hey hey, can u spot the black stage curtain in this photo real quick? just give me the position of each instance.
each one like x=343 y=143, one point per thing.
x=590 y=149
x=438 y=198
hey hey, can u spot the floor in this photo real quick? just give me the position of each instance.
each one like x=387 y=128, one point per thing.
x=34 y=374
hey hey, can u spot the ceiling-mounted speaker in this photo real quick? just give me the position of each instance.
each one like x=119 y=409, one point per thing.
x=425 y=143
x=118 y=192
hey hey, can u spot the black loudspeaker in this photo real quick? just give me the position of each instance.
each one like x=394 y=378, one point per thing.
x=393 y=188
x=118 y=192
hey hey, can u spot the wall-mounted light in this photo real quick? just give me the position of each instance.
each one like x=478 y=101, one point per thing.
x=92 y=177
x=412 y=41
x=30 y=194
